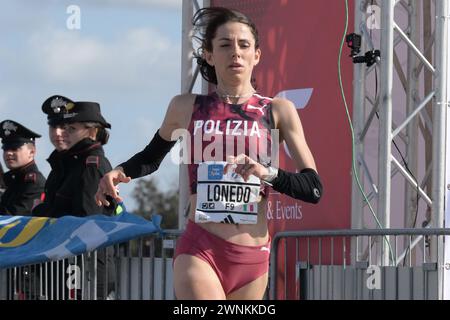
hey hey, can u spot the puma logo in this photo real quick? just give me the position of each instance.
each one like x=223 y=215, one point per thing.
x=260 y=109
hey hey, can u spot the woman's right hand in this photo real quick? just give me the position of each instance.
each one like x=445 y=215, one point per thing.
x=107 y=186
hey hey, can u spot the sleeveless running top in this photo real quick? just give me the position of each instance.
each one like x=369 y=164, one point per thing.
x=219 y=129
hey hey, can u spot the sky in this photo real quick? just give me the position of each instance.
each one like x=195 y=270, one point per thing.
x=125 y=55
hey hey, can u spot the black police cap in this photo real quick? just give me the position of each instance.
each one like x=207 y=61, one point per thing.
x=14 y=135
x=61 y=110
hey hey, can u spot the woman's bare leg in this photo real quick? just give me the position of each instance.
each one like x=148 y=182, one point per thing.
x=252 y=291
x=194 y=279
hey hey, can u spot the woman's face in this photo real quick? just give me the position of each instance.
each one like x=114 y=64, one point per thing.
x=234 y=55
x=58 y=137
x=66 y=136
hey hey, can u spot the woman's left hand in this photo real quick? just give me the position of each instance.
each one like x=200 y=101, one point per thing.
x=246 y=166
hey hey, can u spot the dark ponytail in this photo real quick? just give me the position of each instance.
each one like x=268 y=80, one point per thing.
x=102 y=135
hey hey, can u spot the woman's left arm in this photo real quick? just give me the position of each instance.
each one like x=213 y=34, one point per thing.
x=306 y=184
x=288 y=122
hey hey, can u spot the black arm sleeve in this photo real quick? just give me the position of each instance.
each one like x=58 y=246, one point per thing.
x=149 y=159
x=305 y=185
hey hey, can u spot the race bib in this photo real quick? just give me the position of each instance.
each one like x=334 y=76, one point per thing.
x=225 y=198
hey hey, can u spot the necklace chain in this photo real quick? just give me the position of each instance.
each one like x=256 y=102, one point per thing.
x=230 y=96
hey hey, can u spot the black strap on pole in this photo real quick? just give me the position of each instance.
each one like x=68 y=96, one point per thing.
x=2 y=182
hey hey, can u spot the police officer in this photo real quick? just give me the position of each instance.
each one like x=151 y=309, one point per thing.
x=24 y=182
x=77 y=167
x=78 y=132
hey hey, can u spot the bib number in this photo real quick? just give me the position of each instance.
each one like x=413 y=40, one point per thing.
x=225 y=198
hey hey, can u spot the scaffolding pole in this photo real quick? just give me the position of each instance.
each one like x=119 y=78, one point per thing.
x=440 y=106
x=385 y=131
x=412 y=90
x=358 y=125
x=189 y=77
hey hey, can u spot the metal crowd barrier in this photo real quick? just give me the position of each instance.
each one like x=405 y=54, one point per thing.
x=349 y=264
x=140 y=269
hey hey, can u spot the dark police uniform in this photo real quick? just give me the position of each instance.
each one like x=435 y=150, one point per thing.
x=24 y=186
x=73 y=181
x=74 y=178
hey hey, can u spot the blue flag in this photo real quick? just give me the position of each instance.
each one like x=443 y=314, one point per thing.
x=30 y=240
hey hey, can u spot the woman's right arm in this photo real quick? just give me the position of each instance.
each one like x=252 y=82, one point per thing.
x=178 y=116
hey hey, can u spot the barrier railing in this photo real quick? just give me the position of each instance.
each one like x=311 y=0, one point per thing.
x=139 y=269
x=329 y=264
x=347 y=264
